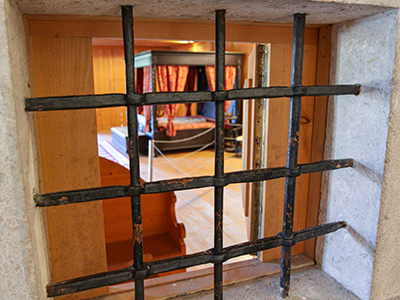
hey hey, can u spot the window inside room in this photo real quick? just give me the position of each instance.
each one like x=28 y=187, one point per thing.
x=280 y=73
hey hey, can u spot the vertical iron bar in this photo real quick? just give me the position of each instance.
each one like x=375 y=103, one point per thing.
x=219 y=148
x=133 y=147
x=292 y=150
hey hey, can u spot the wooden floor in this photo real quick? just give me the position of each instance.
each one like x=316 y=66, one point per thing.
x=195 y=208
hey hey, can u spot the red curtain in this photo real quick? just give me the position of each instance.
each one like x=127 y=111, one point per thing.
x=230 y=75
x=143 y=85
x=147 y=89
x=139 y=80
x=191 y=86
x=139 y=85
x=171 y=79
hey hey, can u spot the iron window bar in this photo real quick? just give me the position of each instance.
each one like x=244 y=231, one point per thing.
x=218 y=254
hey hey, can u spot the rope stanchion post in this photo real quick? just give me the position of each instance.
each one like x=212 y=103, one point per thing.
x=150 y=161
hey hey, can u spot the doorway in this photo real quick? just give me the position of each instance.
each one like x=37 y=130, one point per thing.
x=193 y=208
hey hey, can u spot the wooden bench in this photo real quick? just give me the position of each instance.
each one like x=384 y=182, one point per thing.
x=163 y=236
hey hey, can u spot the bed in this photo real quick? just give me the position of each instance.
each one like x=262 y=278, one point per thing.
x=178 y=126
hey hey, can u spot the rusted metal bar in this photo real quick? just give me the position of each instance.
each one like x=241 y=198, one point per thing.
x=292 y=151
x=181 y=262
x=162 y=186
x=219 y=149
x=89 y=282
x=112 y=100
x=133 y=148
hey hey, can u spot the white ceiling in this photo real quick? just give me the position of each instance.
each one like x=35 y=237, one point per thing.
x=324 y=12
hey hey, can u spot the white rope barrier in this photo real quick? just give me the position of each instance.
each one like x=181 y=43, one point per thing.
x=185 y=139
x=171 y=163
x=194 y=152
x=232 y=193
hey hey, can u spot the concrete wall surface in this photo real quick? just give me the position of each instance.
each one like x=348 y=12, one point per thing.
x=23 y=265
x=386 y=275
x=363 y=52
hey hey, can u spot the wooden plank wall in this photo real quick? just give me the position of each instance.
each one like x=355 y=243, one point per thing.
x=109 y=77
x=312 y=136
x=68 y=149
x=277 y=143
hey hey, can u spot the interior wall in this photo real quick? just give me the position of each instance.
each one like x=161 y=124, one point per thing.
x=363 y=52
x=109 y=77
x=23 y=263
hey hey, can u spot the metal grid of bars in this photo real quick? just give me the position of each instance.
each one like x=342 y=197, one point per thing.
x=217 y=255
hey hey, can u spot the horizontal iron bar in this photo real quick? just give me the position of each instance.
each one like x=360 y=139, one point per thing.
x=74 y=102
x=89 y=282
x=186 y=261
x=76 y=196
x=182 y=262
x=111 y=100
x=162 y=186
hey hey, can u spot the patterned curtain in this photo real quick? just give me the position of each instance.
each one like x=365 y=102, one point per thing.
x=147 y=89
x=139 y=85
x=191 y=86
x=171 y=79
x=230 y=75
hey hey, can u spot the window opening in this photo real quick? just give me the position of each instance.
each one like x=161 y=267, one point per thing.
x=217 y=255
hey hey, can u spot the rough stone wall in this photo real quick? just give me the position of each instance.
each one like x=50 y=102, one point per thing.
x=387 y=3
x=22 y=261
x=385 y=282
x=363 y=52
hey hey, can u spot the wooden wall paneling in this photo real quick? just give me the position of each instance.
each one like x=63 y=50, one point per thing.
x=68 y=148
x=151 y=28
x=109 y=77
x=278 y=121
x=319 y=130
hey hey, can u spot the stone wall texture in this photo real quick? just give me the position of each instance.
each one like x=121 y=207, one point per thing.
x=385 y=283
x=363 y=52
x=23 y=265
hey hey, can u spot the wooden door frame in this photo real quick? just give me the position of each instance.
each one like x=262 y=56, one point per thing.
x=110 y=27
